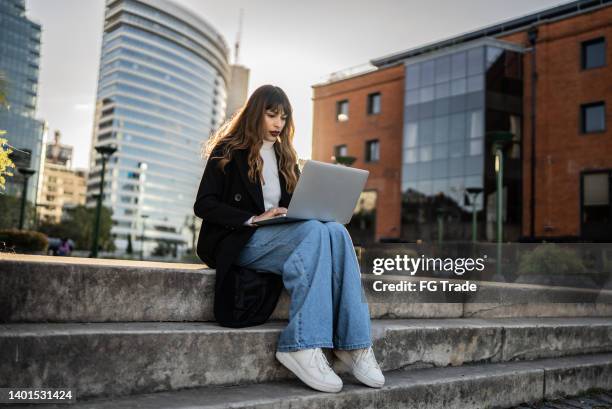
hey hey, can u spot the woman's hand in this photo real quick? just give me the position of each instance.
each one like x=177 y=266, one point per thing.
x=275 y=211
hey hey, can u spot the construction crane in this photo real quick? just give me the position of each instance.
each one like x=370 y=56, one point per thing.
x=237 y=44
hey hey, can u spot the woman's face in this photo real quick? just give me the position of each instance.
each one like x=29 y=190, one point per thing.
x=274 y=123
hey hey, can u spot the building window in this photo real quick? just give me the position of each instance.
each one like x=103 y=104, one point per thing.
x=593 y=117
x=374 y=103
x=342 y=110
x=597 y=206
x=372 y=153
x=594 y=53
x=340 y=150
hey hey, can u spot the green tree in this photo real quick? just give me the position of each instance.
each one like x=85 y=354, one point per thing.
x=344 y=160
x=162 y=249
x=191 y=224
x=5 y=161
x=10 y=206
x=78 y=225
x=5 y=149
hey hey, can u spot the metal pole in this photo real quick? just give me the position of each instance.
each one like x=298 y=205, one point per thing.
x=474 y=192
x=440 y=228
x=94 y=246
x=142 y=176
x=533 y=36
x=142 y=239
x=23 y=202
x=499 y=169
x=474 y=221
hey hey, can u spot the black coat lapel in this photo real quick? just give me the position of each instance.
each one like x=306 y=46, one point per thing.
x=254 y=189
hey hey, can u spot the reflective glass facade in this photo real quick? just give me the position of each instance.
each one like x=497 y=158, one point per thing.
x=161 y=91
x=19 y=62
x=453 y=100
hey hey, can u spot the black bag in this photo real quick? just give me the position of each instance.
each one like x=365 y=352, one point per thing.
x=247 y=297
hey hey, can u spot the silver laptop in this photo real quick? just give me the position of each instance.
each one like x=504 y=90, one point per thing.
x=324 y=192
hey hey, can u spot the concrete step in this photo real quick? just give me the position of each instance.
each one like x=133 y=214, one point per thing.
x=114 y=359
x=69 y=289
x=595 y=399
x=483 y=385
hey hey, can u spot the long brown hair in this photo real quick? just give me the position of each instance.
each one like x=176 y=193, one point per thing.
x=246 y=129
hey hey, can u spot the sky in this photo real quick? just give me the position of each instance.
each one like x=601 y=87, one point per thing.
x=293 y=44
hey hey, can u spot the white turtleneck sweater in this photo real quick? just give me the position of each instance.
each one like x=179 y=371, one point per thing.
x=271 y=183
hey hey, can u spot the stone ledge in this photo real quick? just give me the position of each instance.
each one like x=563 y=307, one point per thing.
x=115 y=359
x=66 y=289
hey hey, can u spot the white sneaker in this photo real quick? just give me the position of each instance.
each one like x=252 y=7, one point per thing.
x=363 y=365
x=312 y=367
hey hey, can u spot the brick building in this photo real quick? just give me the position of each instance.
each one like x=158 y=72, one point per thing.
x=62 y=186
x=423 y=122
x=360 y=128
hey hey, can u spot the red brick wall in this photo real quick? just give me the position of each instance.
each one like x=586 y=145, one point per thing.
x=562 y=152
x=387 y=127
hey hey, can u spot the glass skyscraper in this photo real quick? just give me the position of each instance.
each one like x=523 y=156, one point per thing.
x=19 y=63
x=161 y=91
x=456 y=100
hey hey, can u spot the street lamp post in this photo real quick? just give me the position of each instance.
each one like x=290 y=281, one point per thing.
x=142 y=177
x=142 y=238
x=500 y=139
x=105 y=152
x=26 y=172
x=474 y=192
x=441 y=212
x=499 y=195
x=499 y=171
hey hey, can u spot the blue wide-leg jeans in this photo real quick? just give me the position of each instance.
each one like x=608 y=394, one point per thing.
x=320 y=271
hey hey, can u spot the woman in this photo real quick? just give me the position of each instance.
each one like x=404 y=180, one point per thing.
x=250 y=174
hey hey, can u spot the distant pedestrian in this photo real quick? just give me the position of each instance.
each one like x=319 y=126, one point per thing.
x=65 y=248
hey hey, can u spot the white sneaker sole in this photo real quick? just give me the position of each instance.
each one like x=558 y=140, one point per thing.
x=290 y=363
x=361 y=377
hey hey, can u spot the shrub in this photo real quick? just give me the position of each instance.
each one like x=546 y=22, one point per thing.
x=551 y=259
x=24 y=241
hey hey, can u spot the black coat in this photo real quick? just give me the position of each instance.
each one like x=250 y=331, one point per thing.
x=225 y=200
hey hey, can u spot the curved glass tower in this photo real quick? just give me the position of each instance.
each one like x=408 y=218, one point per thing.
x=161 y=90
